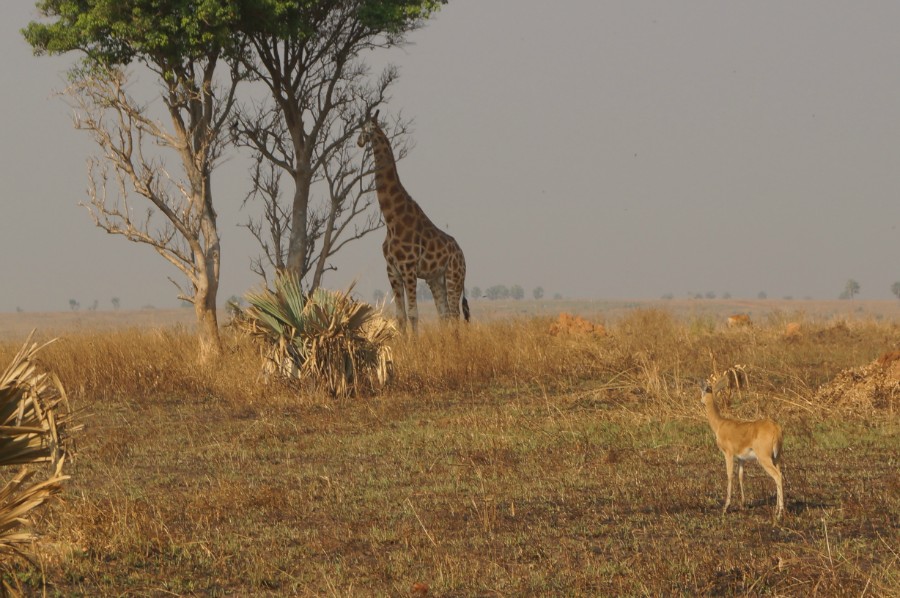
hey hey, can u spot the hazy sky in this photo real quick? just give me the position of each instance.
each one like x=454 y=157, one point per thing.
x=599 y=149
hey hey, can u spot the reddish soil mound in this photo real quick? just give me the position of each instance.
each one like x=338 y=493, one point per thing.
x=873 y=386
x=569 y=324
x=888 y=359
x=792 y=331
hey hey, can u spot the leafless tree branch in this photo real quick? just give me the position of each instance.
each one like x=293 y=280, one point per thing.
x=179 y=222
x=320 y=92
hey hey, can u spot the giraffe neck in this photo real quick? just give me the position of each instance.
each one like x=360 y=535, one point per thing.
x=391 y=194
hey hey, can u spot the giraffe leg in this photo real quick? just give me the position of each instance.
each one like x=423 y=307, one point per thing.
x=438 y=288
x=456 y=280
x=412 y=307
x=397 y=287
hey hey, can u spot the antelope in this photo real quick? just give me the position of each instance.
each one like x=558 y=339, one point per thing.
x=758 y=440
x=739 y=321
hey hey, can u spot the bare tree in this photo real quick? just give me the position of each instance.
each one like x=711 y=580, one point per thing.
x=181 y=44
x=320 y=92
x=180 y=225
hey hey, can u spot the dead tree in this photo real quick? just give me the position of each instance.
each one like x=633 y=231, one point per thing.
x=180 y=222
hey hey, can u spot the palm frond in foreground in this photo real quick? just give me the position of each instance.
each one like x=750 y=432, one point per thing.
x=34 y=427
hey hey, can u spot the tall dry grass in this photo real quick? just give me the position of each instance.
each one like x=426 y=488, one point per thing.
x=502 y=459
x=140 y=363
x=474 y=357
x=648 y=357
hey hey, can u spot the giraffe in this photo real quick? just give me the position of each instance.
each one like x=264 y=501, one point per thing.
x=414 y=247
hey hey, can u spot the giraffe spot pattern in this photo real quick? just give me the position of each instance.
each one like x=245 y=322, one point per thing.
x=414 y=246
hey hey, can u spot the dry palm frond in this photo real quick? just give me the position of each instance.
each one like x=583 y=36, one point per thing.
x=31 y=429
x=275 y=318
x=328 y=337
x=17 y=499
x=34 y=428
x=378 y=331
x=345 y=343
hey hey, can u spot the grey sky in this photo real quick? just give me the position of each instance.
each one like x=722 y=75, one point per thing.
x=599 y=149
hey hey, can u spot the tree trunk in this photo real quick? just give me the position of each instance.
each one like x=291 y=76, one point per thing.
x=207 y=326
x=298 y=245
x=207 y=288
x=210 y=342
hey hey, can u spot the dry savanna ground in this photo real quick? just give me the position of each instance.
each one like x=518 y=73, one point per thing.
x=503 y=460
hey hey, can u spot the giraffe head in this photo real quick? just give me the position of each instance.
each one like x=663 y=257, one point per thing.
x=367 y=131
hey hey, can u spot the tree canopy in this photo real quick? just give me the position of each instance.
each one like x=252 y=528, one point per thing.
x=171 y=32
x=292 y=19
x=119 y=32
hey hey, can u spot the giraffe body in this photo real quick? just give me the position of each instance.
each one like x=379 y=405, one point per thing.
x=414 y=247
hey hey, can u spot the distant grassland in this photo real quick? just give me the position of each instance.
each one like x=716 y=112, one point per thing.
x=17 y=325
x=503 y=460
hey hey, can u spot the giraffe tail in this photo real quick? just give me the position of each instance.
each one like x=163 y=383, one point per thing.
x=465 y=306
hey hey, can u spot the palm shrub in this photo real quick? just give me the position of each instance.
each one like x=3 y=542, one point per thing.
x=34 y=428
x=328 y=338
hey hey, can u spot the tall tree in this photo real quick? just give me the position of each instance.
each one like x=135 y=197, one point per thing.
x=895 y=289
x=183 y=43
x=851 y=289
x=307 y=53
